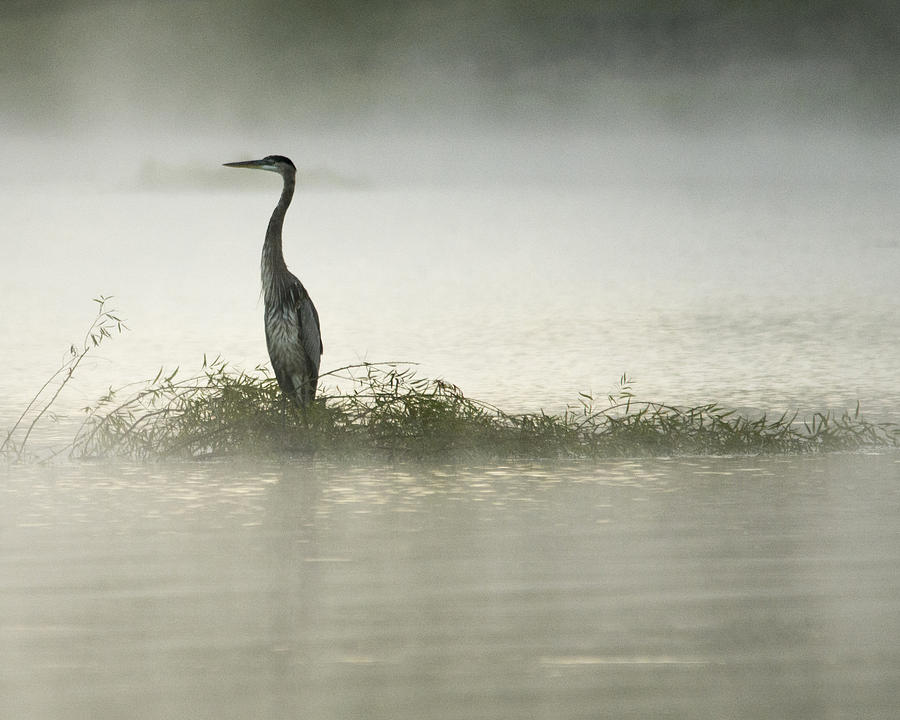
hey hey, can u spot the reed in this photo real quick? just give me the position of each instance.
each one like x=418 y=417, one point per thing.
x=104 y=325
x=384 y=411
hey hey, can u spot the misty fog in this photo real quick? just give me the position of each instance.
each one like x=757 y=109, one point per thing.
x=544 y=204
x=114 y=93
x=632 y=152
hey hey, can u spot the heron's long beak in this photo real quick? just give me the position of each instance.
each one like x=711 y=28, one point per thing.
x=257 y=164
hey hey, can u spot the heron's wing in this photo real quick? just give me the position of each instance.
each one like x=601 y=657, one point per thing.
x=318 y=326
x=308 y=320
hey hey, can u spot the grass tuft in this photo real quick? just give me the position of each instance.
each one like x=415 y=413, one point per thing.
x=384 y=410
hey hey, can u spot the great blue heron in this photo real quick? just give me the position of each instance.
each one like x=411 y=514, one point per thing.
x=292 y=323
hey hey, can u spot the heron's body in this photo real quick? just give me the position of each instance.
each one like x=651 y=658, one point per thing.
x=293 y=336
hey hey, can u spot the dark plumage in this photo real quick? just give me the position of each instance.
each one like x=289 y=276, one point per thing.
x=293 y=336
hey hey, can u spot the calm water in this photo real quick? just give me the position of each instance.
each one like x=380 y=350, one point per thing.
x=692 y=588
x=741 y=588
x=758 y=295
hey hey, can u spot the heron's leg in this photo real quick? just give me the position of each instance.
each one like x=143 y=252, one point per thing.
x=306 y=416
x=283 y=422
x=304 y=412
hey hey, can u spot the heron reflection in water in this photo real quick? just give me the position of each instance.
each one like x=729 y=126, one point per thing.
x=293 y=336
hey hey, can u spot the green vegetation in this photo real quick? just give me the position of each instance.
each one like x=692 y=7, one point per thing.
x=385 y=411
x=382 y=410
x=104 y=324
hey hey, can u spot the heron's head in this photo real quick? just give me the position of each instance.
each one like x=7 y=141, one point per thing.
x=274 y=163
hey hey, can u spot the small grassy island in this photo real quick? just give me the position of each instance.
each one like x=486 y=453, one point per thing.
x=384 y=411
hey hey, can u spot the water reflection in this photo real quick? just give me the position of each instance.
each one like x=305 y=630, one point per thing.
x=734 y=587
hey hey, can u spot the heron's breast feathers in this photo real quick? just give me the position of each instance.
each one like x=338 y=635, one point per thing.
x=292 y=331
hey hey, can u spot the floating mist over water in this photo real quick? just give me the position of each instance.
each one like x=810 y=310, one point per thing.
x=460 y=91
x=652 y=173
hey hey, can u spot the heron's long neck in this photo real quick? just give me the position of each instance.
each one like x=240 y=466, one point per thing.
x=274 y=270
